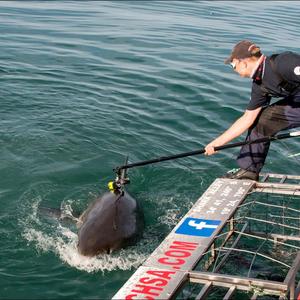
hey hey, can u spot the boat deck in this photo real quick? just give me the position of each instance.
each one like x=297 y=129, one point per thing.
x=240 y=236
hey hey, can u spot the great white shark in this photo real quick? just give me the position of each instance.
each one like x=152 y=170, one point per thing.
x=112 y=221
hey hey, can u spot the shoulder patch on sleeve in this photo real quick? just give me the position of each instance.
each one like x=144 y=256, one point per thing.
x=297 y=70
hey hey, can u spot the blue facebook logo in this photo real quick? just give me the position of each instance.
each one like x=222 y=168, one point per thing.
x=198 y=227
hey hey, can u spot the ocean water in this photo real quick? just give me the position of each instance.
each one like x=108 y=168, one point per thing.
x=83 y=84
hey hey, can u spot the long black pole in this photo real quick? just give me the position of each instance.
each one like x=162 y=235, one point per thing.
x=201 y=151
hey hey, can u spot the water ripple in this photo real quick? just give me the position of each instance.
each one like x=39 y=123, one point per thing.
x=84 y=84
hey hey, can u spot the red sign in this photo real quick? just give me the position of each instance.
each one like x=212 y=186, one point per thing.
x=153 y=282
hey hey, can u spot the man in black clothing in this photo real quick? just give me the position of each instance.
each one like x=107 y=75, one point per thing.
x=274 y=76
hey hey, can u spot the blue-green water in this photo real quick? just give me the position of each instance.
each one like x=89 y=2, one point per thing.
x=85 y=83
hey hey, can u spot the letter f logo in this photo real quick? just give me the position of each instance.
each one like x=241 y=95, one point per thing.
x=201 y=225
x=198 y=227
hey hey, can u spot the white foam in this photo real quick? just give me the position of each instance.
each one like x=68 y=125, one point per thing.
x=171 y=215
x=62 y=241
x=170 y=218
x=67 y=211
x=67 y=251
x=294 y=155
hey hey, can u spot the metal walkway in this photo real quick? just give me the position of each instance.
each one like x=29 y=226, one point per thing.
x=241 y=236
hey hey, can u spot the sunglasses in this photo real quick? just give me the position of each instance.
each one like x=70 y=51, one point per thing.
x=233 y=65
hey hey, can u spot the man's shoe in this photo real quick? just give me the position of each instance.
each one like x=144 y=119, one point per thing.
x=242 y=174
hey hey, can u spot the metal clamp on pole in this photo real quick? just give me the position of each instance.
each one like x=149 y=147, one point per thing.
x=117 y=186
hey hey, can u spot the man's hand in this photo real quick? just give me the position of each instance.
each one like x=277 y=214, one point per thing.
x=236 y=129
x=209 y=149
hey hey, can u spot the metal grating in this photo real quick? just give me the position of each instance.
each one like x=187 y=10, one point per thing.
x=241 y=236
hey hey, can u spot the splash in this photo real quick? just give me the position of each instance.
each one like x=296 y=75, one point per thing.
x=62 y=241
x=67 y=252
x=294 y=155
x=173 y=207
x=170 y=218
x=60 y=238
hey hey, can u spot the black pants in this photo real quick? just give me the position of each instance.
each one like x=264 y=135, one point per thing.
x=284 y=114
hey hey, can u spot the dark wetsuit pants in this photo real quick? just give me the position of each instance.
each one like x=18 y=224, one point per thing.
x=284 y=114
